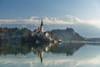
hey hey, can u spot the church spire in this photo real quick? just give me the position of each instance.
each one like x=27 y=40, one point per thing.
x=41 y=27
x=42 y=22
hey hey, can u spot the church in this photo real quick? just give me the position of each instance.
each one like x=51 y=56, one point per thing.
x=41 y=29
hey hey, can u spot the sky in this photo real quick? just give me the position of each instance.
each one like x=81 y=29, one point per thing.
x=51 y=11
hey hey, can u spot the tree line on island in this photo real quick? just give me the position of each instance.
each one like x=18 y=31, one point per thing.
x=25 y=35
x=22 y=35
x=13 y=34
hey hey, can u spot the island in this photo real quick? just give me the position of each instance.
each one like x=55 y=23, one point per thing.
x=24 y=35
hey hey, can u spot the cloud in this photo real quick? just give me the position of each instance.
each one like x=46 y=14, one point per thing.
x=50 y=61
x=34 y=20
x=33 y=17
x=92 y=61
x=68 y=19
x=95 y=23
x=71 y=18
x=6 y=21
x=55 y=21
x=76 y=20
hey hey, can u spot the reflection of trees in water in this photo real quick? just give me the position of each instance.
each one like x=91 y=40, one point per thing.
x=25 y=48
x=39 y=49
x=13 y=48
x=20 y=48
x=68 y=48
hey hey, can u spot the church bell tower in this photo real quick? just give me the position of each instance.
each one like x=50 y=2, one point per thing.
x=41 y=27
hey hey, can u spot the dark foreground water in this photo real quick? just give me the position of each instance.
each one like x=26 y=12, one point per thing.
x=50 y=55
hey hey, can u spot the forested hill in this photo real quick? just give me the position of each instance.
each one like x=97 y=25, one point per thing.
x=24 y=34
x=13 y=34
x=16 y=34
x=67 y=34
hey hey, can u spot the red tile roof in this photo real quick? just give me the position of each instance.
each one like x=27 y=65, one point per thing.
x=37 y=30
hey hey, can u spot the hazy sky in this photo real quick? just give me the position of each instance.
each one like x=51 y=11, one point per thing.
x=52 y=11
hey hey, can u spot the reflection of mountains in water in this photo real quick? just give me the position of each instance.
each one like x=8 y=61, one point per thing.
x=25 y=48
x=71 y=48
x=68 y=48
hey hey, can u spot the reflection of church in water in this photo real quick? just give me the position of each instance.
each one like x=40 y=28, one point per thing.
x=39 y=31
x=40 y=50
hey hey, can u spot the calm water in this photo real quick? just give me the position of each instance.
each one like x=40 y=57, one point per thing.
x=50 y=55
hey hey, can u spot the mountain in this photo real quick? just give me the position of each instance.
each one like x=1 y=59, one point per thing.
x=67 y=34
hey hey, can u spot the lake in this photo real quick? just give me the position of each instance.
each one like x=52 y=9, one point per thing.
x=49 y=55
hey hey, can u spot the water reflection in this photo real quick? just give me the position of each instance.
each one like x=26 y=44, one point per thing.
x=25 y=48
x=50 y=53
x=38 y=49
x=68 y=48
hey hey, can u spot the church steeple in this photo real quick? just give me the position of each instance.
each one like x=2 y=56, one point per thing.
x=41 y=22
x=41 y=27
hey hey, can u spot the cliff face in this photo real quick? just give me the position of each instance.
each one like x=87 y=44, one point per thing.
x=67 y=35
